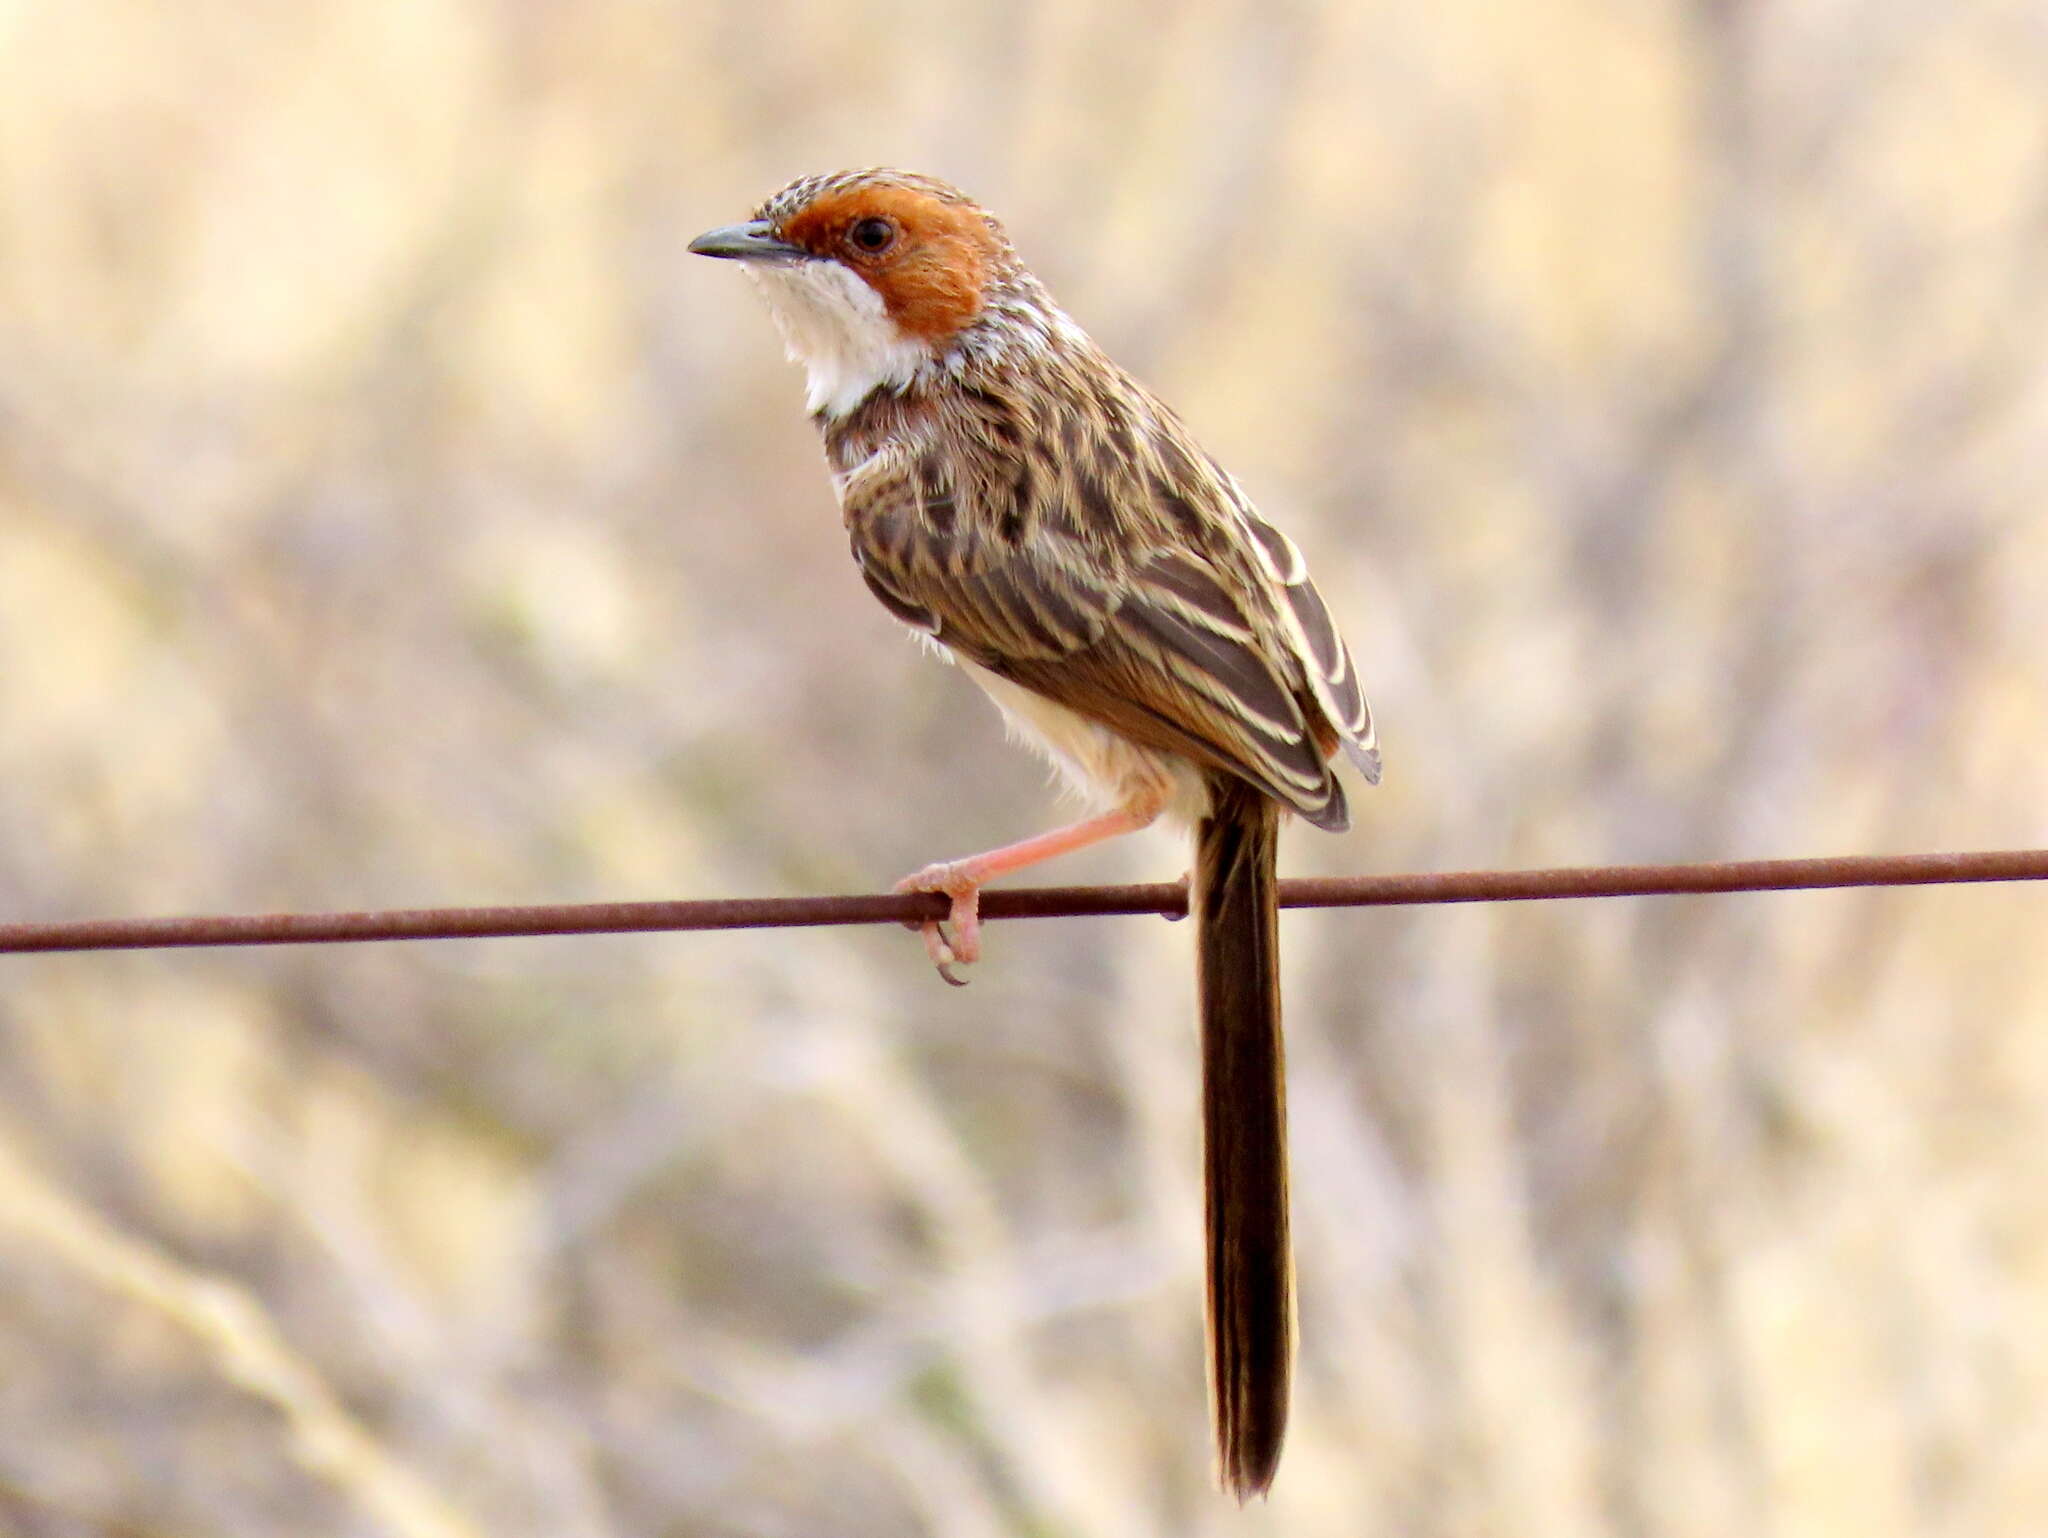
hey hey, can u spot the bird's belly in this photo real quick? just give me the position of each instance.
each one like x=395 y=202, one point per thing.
x=1102 y=767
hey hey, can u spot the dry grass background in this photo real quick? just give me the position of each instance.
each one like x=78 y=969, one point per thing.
x=391 y=514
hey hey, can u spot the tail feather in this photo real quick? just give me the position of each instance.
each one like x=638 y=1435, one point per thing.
x=1235 y=901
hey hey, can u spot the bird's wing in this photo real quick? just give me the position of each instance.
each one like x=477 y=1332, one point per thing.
x=1325 y=657
x=1162 y=644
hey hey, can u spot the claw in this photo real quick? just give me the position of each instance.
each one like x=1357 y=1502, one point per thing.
x=962 y=944
x=939 y=947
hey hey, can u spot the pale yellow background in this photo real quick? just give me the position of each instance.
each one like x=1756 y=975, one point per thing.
x=391 y=514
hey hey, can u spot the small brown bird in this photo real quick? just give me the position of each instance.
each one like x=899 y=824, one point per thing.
x=1023 y=502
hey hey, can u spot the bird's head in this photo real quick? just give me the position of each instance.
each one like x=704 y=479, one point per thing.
x=875 y=276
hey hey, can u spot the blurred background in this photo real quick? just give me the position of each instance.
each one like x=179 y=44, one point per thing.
x=391 y=514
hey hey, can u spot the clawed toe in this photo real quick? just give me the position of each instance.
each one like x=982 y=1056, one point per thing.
x=941 y=951
x=955 y=940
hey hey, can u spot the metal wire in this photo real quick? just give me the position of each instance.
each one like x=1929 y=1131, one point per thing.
x=1167 y=899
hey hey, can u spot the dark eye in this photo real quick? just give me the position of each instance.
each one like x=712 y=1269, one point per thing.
x=873 y=234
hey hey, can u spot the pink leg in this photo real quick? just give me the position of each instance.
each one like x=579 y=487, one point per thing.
x=962 y=880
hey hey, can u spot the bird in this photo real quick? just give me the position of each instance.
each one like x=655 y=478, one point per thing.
x=1047 y=523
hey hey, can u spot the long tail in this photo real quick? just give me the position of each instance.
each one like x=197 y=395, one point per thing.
x=1235 y=901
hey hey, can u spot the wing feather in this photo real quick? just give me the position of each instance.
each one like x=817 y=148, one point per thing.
x=1156 y=643
x=1330 y=670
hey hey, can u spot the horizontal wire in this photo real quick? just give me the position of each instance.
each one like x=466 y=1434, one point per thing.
x=1168 y=899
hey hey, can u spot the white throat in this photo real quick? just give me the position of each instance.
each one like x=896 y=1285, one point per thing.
x=840 y=331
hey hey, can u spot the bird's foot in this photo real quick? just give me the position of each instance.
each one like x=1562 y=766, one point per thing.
x=956 y=939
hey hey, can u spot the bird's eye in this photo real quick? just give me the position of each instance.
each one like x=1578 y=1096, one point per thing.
x=873 y=235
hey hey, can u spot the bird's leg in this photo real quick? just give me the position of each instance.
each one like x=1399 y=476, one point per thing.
x=962 y=880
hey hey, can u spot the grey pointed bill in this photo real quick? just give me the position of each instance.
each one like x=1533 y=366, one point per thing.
x=754 y=241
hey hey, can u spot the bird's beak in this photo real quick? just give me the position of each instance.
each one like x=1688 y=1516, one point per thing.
x=754 y=241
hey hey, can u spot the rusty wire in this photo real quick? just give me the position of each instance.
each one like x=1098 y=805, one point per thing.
x=1168 y=899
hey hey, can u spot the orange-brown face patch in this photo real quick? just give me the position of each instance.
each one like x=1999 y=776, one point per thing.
x=930 y=276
